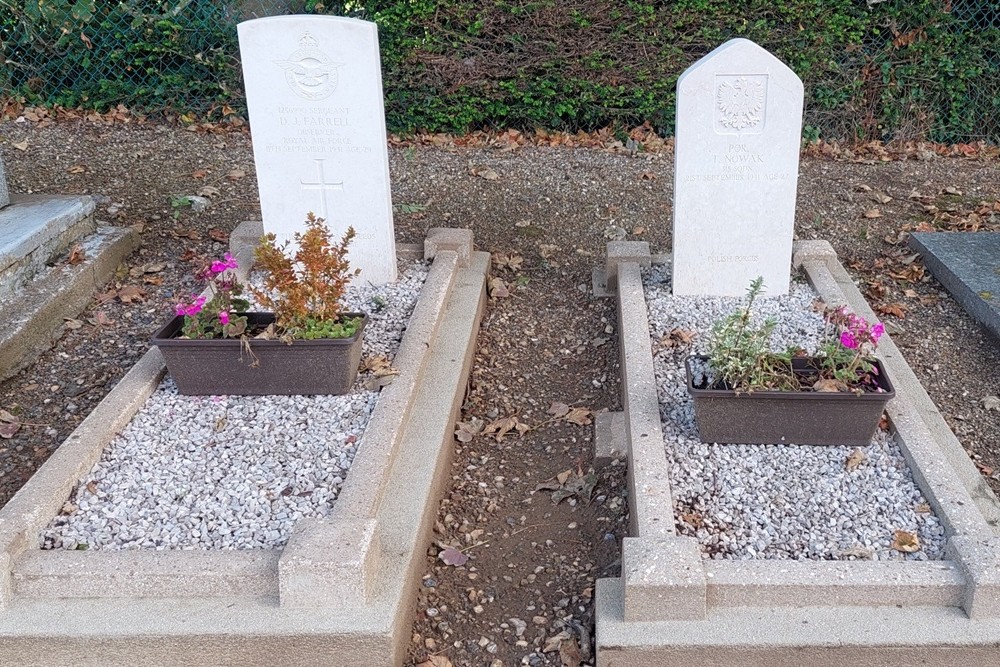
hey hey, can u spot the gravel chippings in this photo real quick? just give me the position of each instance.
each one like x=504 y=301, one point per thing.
x=777 y=501
x=231 y=472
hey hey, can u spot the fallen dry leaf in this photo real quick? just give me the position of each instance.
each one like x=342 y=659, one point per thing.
x=558 y=410
x=873 y=213
x=219 y=235
x=498 y=288
x=436 y=661
x=578 y=416
x=485 y=173
x=830 y=385
x=569 y=653
x=505 y=425
x=951 y=190
x=905 y=541
x=199 y=173
x=991 y=403
x=675 y=338
x=77 y=169
x=859 y=552
x=379 y=365
x=181 y=233
x=504 y=261
x=100 y=319
x=894 y=309
x=21 y=145
x=452 y=556
x=647 y=176
x=9 y=424
x=236 y=174
x=131 y=293
x=856 y=458
x=983 y=468
x=882 y=199
x=106 y=297
x=547 y=250
x=77 y=255
x=72 y=323
x=208 y=191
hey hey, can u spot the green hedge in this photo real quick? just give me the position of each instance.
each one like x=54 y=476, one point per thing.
x=898 y=69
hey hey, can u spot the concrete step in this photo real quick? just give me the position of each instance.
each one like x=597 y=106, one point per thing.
x=34 y=230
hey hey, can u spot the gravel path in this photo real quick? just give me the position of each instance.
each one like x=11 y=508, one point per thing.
x=231 y=472
x=778 y=501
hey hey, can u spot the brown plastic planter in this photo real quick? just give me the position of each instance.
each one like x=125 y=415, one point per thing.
x=223 y=366
x=787 y=417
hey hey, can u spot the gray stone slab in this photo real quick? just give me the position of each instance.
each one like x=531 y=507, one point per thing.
x=34 y=314
x=4 y=193
x=34 y=229
x=968 y=265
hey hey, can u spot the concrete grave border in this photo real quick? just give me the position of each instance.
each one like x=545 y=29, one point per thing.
x=672 y=607
x=342 y=588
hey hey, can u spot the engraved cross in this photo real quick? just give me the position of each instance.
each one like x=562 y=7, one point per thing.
x=322 y=186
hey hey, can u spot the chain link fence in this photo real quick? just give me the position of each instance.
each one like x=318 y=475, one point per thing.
x=934 y=76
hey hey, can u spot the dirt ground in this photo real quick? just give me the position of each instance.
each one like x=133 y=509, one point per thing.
x=526 y=594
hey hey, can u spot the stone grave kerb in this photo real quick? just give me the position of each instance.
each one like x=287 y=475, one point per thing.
x=317 y=122
x=738 y=136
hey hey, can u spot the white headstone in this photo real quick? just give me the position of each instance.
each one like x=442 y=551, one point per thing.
x=738 y=134
x=4 y=194
x=314 y=95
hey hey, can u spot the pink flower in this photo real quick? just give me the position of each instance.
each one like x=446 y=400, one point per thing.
x=877 y=330
x=848 y=340
x=224 y=317
x=191 y=309
x=220 y=266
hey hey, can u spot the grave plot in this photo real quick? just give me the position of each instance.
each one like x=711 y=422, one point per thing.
x=234 y=472
x=171 y=572
x=776 y=554
x=772 y=555
x=264 y=530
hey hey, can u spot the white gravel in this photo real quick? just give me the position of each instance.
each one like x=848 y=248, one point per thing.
x=231 y=472
x=777 y=501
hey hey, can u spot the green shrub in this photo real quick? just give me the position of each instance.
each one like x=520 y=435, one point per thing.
x=895 y=69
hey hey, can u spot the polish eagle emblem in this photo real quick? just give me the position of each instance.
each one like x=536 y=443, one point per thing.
x=741 y=102
x=309 y=72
